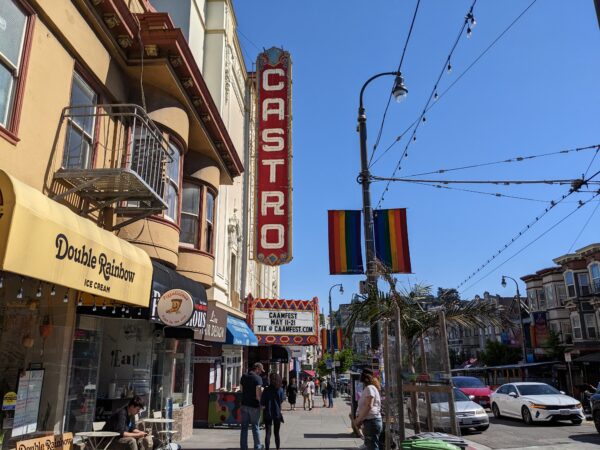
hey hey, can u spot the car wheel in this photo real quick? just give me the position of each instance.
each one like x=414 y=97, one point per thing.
x=576 y=421
x=526 y=414
x=482 y=428
x=496 y=411
x=597 y=420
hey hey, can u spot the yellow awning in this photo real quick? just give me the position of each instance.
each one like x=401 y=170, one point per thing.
x=43 y=239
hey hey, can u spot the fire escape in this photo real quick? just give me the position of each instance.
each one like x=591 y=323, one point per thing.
x=114 y=156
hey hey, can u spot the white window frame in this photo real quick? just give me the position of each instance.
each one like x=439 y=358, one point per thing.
x=561 y=294
x=550 y=297
x=594 y=280
x=570 y=274
x=590 y=325
x=175 y=184
x=576 y=325
x=581 y=285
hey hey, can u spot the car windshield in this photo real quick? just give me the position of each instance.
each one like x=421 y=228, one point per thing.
x=467 y=382
x=537 y=389
x=440 y=397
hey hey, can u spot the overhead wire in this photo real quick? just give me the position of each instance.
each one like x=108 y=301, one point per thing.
x=492 y=194
x=462 y=74
x=447 y=67
x=511 y=160
x=587 y=222
x=528 y=226
x=581 y=204
x=494 y=182
x=387 y=106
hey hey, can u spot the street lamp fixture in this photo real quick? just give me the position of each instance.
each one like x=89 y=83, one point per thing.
x=399 y=91
x=523 y=350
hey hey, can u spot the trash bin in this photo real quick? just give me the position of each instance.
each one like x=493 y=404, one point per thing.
x=432 y=444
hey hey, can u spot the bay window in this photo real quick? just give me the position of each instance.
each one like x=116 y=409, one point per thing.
x=570 y=282
x=590 y=326
x=576 y=325
x=14 y=22
x=561 y=291
x=550 y=298
x=584 y=284
x=197 y=217
x=595 y=273
x=172 y=184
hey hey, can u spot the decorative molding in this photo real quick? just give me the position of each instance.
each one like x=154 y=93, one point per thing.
x=124 y=41
x=151 y=50
x=111 y=20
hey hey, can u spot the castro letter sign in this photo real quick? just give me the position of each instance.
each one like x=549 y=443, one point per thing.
x=273 y=158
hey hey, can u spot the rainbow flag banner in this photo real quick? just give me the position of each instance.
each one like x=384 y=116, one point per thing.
x=391 y=239
x=345 y=257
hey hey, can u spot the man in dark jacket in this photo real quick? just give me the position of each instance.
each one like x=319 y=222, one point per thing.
x=123 y=422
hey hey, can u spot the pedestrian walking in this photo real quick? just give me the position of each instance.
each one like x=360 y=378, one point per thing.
x=292 y=393
x=324 y=392
x=250 y=410
x=123 y=422
x=330 y=388
x=311 y=394
x=271 y=400
x=305 y=394
x=369 y=410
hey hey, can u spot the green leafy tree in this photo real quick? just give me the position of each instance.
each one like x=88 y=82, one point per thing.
x=497 y=354
x=554 y=349
x=346 y=358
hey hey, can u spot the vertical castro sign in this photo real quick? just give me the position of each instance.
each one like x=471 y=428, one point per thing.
x=274 y=158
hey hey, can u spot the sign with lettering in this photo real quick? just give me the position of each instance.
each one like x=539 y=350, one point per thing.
x=175 y=307
x=42 y=239
x=216 y=324
x=284 y=322
x=273 y=321
x=52 y=442
x=274 y=158
x=27 y=407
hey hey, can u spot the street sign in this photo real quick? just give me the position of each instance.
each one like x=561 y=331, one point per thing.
x=329 y=364
x=337 y=364
x=568 y=357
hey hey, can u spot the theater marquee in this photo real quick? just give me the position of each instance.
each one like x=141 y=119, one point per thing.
x=273 y=158
x=284 y=322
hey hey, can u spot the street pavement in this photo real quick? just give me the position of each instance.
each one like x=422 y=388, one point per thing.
x=329 y=428
x=321 y=428
x=514 y=434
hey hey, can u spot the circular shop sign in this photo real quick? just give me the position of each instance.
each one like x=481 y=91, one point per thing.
x=175 y=307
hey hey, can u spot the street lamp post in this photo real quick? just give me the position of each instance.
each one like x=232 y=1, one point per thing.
x=523 y=350
x=399 y=91
x=331 y=326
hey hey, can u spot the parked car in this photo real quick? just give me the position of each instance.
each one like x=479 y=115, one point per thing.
x=535 y=402
x=472 y=386
x=468 y=413
x=595 y=402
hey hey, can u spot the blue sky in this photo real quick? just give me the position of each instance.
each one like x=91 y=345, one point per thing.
x=536 y=91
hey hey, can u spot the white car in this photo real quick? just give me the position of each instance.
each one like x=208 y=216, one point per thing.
x=535 y=402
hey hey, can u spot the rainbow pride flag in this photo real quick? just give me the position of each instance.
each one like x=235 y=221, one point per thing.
x=391 y=239
x=345 y=257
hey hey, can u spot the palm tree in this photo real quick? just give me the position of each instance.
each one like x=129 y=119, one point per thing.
x=415 y=321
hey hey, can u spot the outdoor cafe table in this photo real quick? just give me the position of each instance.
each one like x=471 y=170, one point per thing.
x=95 y=438
x=159 y=429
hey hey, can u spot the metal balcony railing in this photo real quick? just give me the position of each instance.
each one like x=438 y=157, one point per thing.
x=113 y=155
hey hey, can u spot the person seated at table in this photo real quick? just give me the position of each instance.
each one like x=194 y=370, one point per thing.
x=123 y=422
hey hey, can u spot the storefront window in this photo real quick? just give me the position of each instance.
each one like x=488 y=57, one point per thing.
x=172 y=373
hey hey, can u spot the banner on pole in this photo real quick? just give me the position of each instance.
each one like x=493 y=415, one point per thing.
x=391 y=239
x=345 y=257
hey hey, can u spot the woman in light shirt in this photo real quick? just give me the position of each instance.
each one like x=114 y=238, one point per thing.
x=369 y=410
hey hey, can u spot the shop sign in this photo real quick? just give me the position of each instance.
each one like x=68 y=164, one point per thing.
x=284 y=322
x=274 y=158
x=197 y=320
x=206 y=359
x=175 y=307
x=216 y=325
x=27 y=407
x=53 y=442
x=42 y=239
x=276 y=321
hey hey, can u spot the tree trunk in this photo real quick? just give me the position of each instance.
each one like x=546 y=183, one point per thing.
x=413 y=395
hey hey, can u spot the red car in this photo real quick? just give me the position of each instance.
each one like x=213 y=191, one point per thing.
x=472 y=386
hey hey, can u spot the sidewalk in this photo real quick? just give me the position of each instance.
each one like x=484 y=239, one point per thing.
x=321 y=428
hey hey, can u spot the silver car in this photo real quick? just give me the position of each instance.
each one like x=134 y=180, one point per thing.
x=468 y=413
